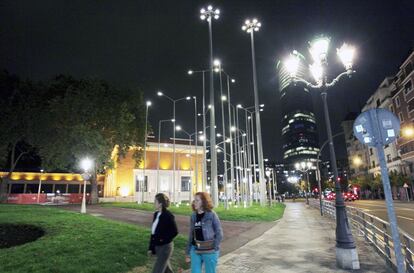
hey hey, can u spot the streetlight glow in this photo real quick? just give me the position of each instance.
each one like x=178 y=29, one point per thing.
x=292 y=64
x=346 y=55
x=223 y=98
x=86 y=164
x=319 y=49
x=316 y=71
x=357 y=161
x=407 y=131
x=149 y=103
x=159 y=93
x=190 y=72
x=178 y=128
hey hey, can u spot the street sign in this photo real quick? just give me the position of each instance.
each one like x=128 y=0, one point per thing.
x=377 y=126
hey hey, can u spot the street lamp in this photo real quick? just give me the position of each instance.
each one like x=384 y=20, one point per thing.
x=180 y=129
x=86 y=165
x=142 y=183
x=346 y=254
x=208 y=15
x=174 y=101
x=159 y=155
x=251 y=26
x=304 y=167
x=218 y=69
x=40 y=186
x=204 y=178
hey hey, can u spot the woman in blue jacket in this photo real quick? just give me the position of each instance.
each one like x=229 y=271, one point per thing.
x=205 y=235
x=163 y=231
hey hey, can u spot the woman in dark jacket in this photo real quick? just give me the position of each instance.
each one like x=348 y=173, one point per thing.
x=164 y=230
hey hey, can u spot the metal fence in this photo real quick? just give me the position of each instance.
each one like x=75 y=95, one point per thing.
x=376 y=232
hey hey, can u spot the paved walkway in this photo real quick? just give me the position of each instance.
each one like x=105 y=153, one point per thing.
x=302 y=241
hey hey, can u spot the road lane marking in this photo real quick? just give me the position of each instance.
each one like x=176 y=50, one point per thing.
x=406 y=218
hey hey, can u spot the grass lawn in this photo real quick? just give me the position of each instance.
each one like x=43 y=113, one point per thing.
x=254 y=213
x=75 y=242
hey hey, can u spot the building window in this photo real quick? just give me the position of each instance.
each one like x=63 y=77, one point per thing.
x=408 y=87
x=373 y=164
x=185 y=183
x=138 y=183
x=408 y=68
x=388 y=158
x=397 y=101
x=73 y=188
x=400 y=115
x=370 y=151
x=378 y=103
x=392 y=108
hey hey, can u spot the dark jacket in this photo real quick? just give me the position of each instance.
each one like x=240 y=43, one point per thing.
x=165 y=232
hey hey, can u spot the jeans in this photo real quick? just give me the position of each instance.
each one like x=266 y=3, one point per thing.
x=209 y=260
x=162 y=263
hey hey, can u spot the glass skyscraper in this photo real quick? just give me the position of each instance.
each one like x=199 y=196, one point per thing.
x=299 y=132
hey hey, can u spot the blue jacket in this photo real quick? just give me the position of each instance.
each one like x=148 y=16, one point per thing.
x=211 y=228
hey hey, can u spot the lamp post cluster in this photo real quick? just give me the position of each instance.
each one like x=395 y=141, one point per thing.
x=346 y=254
x=305 y=167
x=241 y=142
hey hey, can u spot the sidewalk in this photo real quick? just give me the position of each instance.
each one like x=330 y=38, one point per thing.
x=302 y=241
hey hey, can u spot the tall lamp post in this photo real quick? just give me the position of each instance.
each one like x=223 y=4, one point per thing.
x=86 y=165
x=208 y=15
x=318 y=171
x=304 y=167
x=159 y=155
x=174 y=101
x=346 y=254
x=251 y=27
x=180 y=129
x=142 y=182
x=204 y=178
x=40 y=186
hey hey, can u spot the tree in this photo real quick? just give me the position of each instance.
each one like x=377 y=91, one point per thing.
x=88 y=117
x=18 y=102
x=397 y=180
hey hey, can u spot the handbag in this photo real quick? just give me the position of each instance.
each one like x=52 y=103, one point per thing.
x=203 y=247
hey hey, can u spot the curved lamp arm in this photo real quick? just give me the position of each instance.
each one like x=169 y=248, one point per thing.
x=343 y=74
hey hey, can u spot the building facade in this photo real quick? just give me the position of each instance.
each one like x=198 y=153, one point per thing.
x=403 y=107
x=357 y=152
x=382 y=98
x=128 y=182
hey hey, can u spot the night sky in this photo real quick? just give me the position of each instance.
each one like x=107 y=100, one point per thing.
x=152 y=44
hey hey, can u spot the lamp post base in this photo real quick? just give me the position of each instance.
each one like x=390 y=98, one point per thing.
x=347 y=258
x=83 y=207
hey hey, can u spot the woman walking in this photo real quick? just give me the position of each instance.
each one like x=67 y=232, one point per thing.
x=205 y=235
x=164 y=230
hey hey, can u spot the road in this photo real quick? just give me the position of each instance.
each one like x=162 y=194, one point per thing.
x=403 y=210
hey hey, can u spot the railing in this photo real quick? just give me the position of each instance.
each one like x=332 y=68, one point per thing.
x=375 y=231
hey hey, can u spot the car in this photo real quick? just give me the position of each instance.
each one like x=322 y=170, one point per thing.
x=348 y=196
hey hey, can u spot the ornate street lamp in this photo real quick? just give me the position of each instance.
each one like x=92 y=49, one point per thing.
x=346 y=254
x=304 y=167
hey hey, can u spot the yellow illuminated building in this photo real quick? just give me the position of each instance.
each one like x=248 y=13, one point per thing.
x=126 y=180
